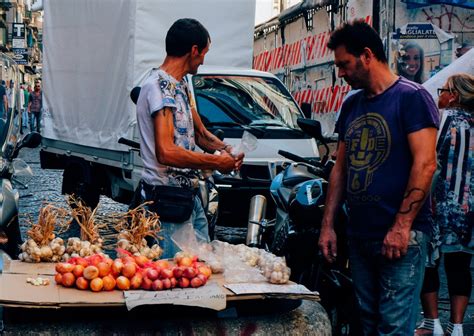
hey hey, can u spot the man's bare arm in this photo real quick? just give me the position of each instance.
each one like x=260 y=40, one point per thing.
x=169 y=154
x=423 y=149
x=205 y=139
x=337 y=180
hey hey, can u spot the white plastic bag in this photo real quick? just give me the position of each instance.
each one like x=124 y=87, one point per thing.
x=247 y=144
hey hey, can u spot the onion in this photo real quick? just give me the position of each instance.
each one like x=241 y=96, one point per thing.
x=91 y=272
x=166 y=273
x=174 y=282
x=117 y=266
x=136 y=281
x=58 y=278
x=64 y=267
x=97 y=284
x=78 y=271
x=123 y=283
x=109 y=282
x=104 y=269
x=202 y=277
x=205 y=270
x=152 y=274
x=141 y=260
x=178 y=271
x=146 y=283
x=166 y=283
x=189 y=272
x=68 y=279
x=183 y=282
x=157 y=285
x=82 y=283
x=129 y=270
x=196 y=282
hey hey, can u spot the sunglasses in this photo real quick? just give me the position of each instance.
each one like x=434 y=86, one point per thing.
x=441 y=90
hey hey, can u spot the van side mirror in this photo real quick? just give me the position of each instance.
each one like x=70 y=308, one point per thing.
x=31 y=140
x=311 y=127
x=306 y=109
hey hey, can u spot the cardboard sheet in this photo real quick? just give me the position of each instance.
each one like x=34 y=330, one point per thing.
x=18 y=267
x=210 y=296
x=15 y=291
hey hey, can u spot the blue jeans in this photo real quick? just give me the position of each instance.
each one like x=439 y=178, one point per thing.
x=199 y=221
x=35 y=116
x=388 y=291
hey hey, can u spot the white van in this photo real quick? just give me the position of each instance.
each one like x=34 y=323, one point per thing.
x=236 y=100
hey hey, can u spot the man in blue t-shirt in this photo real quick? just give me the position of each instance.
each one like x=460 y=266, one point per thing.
x=385 y=162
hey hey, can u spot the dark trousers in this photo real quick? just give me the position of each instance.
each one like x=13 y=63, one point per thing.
x=35 y=116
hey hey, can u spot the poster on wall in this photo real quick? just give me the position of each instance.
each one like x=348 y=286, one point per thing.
x=419 y=50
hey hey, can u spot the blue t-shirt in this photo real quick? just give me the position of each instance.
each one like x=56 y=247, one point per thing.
x=378 y=157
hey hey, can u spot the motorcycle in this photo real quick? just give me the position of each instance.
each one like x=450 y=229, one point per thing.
x=299 y=192
x=10 y=166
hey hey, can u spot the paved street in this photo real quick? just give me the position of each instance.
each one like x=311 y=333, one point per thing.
x=46 y=186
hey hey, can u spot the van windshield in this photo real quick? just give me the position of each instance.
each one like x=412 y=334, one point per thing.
x=244 y=100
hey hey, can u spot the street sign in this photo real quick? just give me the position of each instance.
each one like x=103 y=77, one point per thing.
x=18 y=43
x=18 y=31
x=20 y=55
x=18 y=35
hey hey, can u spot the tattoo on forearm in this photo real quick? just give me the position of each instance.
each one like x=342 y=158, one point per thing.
x=418 y=198
x=209 y=137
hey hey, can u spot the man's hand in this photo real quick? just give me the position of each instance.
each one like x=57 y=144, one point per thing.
x=328 y=243
x=395 y=243
x=227 y=162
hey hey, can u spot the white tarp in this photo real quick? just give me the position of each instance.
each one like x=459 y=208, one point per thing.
x=462 y=64
x=96 y=51
x=86 y=57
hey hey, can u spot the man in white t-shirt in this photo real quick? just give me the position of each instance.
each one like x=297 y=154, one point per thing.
x=170 y=128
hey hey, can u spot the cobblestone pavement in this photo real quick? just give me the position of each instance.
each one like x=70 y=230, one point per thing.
x=46 y=186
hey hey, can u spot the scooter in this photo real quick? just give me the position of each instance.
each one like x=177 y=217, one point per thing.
x=299 y=192
x=10 y=166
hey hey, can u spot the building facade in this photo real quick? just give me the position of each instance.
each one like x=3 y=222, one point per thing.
x=292 y=45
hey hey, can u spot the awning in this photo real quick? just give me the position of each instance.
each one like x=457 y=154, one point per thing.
x=30 y=70
x=301 y=7
x=422 y=3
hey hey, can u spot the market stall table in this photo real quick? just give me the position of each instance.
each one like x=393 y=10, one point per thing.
x=16 y=292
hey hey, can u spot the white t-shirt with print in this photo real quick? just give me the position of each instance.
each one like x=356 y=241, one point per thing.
x=161 y=90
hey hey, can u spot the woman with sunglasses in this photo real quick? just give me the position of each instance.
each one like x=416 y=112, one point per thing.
x=453 y=195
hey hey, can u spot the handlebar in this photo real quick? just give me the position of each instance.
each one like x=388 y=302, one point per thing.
x=294 y=157
x=316 y=167
x=130 y=143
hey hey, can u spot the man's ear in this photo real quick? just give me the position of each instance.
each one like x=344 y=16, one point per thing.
x=195 y=50
x=367 y=55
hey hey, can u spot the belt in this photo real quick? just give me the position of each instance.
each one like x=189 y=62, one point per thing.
x=151 y=188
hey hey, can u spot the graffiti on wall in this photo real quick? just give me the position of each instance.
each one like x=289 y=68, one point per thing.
x=449 y=18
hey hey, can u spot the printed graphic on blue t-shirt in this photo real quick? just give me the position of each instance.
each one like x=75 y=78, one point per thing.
x=378 y=157
x=368 y=147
